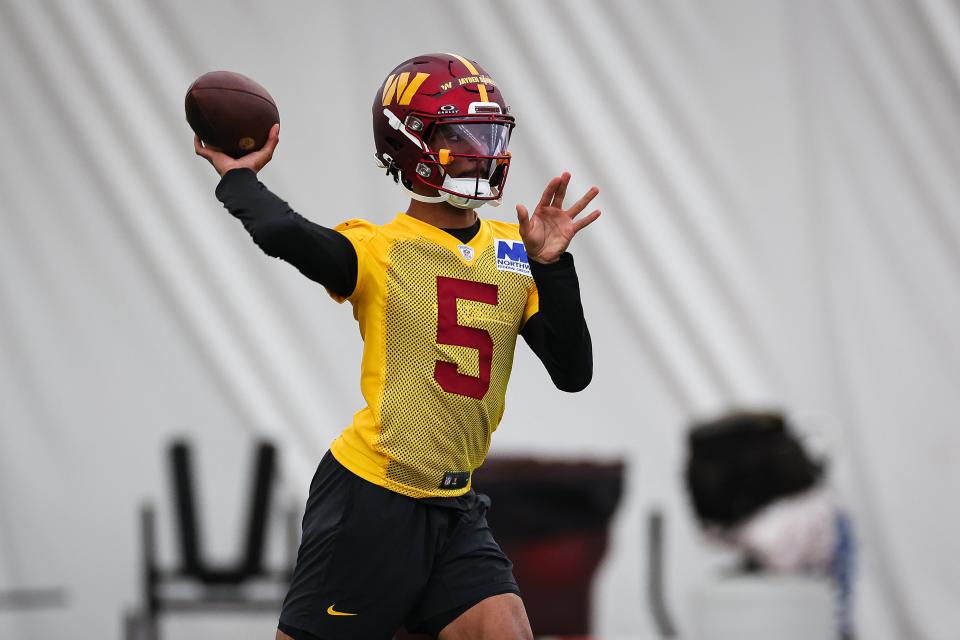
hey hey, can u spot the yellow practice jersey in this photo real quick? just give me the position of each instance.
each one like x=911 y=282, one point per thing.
x=439 y=320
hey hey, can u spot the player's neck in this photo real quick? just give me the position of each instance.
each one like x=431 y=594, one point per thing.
x=442 y=214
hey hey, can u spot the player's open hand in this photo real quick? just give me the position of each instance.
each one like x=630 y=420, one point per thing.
x=547 y=233
x=254 y=160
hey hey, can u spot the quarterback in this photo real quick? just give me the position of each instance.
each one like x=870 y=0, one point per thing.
x=393 y=533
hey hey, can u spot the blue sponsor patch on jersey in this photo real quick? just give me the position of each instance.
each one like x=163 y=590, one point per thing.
x=511 y=256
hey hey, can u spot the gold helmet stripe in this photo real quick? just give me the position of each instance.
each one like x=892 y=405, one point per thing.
x=473 y=70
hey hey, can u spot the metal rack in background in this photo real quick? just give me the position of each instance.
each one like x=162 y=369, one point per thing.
x=204 y=587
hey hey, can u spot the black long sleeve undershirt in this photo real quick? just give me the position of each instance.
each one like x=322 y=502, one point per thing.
x=557 y=333
x=323 y=255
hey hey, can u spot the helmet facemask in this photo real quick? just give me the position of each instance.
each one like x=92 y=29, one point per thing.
x=472 y=158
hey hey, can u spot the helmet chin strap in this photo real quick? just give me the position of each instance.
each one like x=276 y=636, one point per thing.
x=422 y=198
x=465 y=203
x=461 y=185
x=469 y=203
x=459 y=201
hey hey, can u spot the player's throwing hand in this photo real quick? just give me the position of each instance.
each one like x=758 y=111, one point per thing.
x=255 y=160
x=547 y=233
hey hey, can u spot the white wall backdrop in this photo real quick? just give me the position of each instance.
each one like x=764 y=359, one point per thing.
x=780 y=228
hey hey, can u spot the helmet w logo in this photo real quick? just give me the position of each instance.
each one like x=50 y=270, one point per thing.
x=402 y=87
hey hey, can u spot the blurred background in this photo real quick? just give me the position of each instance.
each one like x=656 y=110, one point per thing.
x=780 y=231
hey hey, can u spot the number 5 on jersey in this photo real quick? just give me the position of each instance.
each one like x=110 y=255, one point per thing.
x=451 y=332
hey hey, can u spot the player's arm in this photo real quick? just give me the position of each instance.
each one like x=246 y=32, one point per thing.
x=558 y=332
x=321 y=254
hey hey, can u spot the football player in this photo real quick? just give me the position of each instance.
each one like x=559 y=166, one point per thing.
x=393 y=533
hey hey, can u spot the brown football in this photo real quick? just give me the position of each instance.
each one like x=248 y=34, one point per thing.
x=230 y=111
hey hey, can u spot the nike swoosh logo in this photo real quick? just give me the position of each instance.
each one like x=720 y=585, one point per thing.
x=334 y=612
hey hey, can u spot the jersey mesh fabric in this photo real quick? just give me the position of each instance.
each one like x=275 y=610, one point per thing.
x=419 y=426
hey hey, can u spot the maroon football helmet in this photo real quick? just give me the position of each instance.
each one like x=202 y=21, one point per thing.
x=441 y=122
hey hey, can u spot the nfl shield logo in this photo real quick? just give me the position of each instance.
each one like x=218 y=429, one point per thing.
x=466 y=252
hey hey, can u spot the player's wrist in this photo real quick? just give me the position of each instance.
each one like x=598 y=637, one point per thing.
x=546 y=255
x=226 y=168
x=561 y=265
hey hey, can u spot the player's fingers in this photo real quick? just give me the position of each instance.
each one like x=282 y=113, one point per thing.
x=206 y=150
x=523 y=217
x=582 y=203
x=263 y=155
x=273 y=139
x=548 y=193
x=586 y=220
x=561 y=191
x=199 y=148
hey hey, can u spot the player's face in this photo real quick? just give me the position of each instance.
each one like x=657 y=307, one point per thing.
x=466 y=141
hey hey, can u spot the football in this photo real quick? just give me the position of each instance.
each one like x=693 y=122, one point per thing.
x=230 y=111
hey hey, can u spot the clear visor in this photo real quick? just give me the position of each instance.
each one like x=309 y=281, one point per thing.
x=471 y=147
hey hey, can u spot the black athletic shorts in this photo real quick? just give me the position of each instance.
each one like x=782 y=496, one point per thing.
x=372 y=560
